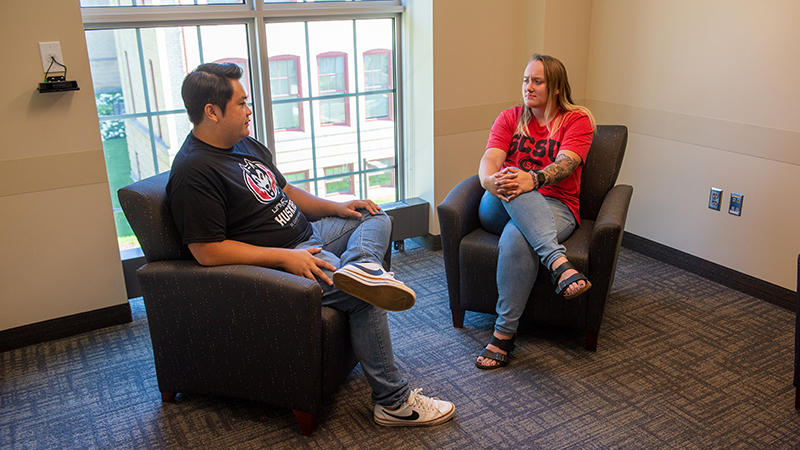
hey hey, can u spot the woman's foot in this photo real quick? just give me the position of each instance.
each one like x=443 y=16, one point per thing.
x=570 y=282
x=495 y=355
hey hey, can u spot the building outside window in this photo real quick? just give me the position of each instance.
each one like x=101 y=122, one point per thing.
x=298 y=179
x=333 y=81
x=377 y=71
x=284 y=82
x=339 y=185
x=322 y=97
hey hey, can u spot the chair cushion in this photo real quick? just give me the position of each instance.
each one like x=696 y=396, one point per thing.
x=478 y=253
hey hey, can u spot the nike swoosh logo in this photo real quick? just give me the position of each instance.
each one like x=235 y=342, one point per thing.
x=369 y=271
x=413 y=416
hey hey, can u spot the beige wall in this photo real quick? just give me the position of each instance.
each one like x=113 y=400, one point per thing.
x=57 y=237
x=479 y=52
x=706 y=87
x=708 y=90
x=474 y=79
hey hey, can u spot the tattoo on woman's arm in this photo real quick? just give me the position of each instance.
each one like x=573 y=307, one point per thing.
x=559 y=170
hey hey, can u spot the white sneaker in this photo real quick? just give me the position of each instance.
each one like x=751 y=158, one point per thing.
x=417 y=411
x=369 y=282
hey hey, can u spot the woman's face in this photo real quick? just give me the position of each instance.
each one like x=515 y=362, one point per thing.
x=534 y=86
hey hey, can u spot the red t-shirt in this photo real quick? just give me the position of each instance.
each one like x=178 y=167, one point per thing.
x=538 y=150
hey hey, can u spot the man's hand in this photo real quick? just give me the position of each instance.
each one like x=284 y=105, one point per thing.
x=349 y=209
x=300 y=262
x=303 y=263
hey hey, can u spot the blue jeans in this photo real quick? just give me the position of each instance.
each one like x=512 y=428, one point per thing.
x=531 y=228
x=364 y=239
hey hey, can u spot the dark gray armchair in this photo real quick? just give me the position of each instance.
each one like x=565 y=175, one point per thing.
x=796 y=381
x=234 y=331
x=470 y=252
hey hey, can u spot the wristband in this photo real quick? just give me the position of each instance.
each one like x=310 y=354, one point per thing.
x=538 y=177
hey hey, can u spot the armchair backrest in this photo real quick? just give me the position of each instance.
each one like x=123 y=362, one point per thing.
x=145 y=205
x=601 y=169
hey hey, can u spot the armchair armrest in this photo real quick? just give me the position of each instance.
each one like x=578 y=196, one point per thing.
x=458 y=212
x=458 y=216
x=238 y=322
x=604 y=250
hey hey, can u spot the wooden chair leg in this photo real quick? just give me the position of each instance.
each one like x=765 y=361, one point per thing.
x=307 y=422
x=591 y=341
x=458 y=317
x=167 y=397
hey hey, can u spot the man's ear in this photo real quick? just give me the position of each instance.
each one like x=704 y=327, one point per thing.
x=212 y=112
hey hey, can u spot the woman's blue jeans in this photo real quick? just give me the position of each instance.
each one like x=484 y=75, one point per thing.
x=531 y=228
x=362 y=239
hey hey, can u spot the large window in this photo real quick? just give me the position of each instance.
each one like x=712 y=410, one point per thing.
x=322 y=93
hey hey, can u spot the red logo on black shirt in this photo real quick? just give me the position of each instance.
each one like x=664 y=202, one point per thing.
x=260 y=180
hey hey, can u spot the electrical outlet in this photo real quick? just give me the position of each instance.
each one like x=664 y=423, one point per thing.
x=49 y=50
x=736 y=204
x=715 y=199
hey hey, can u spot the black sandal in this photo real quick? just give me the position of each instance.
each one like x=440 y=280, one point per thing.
x=506 y=345
x=560 y=287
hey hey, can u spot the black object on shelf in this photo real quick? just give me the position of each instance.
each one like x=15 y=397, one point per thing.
x=58 y=84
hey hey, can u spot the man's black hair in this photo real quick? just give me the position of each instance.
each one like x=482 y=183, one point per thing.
x=208 y=83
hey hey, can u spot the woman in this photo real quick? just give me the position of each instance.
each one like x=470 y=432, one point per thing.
x=531 y=171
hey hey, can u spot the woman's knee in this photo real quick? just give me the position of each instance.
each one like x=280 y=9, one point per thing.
x=492 y=214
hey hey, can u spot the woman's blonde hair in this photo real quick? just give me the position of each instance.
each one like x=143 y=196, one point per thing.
x=559 y=97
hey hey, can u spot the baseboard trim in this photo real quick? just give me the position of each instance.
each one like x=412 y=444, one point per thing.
x=63 y=327
x=763 y=290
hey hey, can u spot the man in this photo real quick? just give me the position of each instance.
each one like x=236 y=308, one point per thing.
x=233 y=206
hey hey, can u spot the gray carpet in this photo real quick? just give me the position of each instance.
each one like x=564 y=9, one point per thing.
x=681 y=363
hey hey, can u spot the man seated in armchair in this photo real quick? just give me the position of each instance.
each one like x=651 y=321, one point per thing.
x=233 y=206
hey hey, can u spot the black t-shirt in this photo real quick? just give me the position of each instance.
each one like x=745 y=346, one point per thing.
x=216 y=194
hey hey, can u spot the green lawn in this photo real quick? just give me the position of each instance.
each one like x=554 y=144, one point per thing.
x=119 y=175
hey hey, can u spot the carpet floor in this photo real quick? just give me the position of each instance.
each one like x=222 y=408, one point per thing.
x=682 y=362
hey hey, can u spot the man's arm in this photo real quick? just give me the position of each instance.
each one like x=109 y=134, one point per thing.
x=300 y=262
x=313 y=206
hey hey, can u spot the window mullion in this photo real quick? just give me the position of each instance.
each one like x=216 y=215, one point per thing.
x=262 y=91
x=314 y=173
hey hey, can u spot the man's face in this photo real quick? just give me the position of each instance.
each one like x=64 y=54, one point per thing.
x=235 y=123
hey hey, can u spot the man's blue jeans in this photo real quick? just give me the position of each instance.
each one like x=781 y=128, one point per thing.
x=531 y=228
x=364 y=239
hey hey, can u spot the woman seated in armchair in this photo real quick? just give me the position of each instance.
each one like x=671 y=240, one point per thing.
x=531 y=171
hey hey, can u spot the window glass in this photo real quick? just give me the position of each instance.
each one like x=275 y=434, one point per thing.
x=284 y=84
x=318 y=1
x=339 y=185
x=346 y=115
x=376 y=77
x=118 y=3
x=137 y=75
x=333 y=81
x=328 y=88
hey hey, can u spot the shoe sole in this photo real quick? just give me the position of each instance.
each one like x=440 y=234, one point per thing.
x=374 y=291
x=400 y=423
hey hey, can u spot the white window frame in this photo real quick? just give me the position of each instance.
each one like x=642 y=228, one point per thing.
x=256 y=15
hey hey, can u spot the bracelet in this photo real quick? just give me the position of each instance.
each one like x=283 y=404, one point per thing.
x=538 y=178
